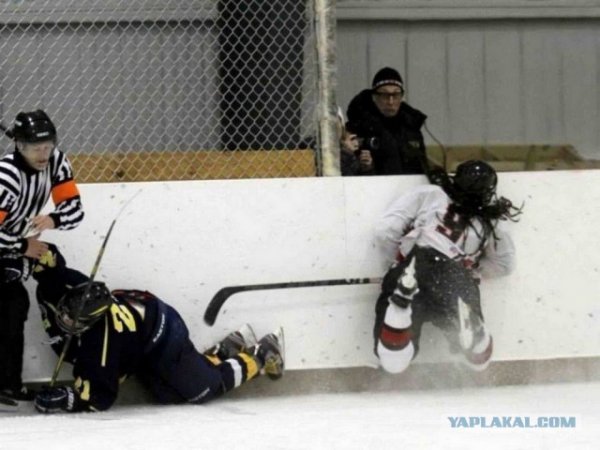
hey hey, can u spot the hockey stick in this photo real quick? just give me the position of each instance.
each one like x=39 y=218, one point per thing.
x=86 y=293
x=216 y=303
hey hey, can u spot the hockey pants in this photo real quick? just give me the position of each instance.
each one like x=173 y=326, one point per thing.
x=177 y=373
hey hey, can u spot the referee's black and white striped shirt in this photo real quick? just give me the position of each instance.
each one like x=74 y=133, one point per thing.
x=25 y=191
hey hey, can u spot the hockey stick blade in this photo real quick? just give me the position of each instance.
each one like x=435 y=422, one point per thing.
x=219 y=299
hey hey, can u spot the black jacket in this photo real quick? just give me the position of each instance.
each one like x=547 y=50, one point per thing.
x=401 y=147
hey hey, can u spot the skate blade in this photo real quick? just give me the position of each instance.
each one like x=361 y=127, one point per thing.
x=248 y=334
x=281 y=339
x=466 y=330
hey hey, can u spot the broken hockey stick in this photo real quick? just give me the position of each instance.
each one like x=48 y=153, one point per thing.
x=86 y=293
x=219 y=299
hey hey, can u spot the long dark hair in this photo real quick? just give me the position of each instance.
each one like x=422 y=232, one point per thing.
x=500 y=208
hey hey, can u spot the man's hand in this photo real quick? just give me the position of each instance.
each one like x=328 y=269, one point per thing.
x=35 y=248
x=41 y=223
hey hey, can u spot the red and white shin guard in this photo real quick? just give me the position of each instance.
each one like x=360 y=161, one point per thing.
x=394 y=347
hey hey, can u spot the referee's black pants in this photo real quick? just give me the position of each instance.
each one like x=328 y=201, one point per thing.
x=14 y=306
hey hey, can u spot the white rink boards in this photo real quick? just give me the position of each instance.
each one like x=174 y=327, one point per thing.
x=186 y=240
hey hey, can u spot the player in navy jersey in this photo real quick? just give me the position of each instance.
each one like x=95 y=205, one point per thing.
x=29 y=176
x=443 y=239
x=129 y=332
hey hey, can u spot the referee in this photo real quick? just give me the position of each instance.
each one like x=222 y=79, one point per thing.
x=35 y=171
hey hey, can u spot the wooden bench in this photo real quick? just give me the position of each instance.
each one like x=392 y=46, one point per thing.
x=511 y=158
x=111 y=167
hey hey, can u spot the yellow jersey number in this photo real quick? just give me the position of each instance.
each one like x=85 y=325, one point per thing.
x=122 y=318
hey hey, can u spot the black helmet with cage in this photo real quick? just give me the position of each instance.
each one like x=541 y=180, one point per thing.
x=472 y=190
x=82 y=306
x=474 y=184
x=32 y=127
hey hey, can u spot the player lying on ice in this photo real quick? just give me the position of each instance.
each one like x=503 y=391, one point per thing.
x=129 y=332
x=444 y=239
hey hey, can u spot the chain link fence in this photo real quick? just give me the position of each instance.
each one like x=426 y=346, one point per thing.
x=167 y=90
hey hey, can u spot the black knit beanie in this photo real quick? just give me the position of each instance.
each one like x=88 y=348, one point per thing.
x=387 y=76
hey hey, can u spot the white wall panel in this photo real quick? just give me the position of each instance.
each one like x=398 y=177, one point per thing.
x=426 y=74
x=466 y=84
x=353 y=69
x=393 y=38
x=581 y=76
x=543 y=88
x=503 y=97
x=465 y=9
x=186 y=240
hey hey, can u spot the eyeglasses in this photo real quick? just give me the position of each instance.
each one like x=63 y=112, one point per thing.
x=389 y=95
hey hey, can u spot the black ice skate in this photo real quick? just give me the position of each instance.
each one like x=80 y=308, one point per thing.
x=270 y=353
x=7 y=402
x=234 y=343
x=12 y=396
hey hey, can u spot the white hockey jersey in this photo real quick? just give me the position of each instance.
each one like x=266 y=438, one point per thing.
x=421 y=217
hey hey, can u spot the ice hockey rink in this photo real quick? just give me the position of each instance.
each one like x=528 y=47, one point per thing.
x=318 y=412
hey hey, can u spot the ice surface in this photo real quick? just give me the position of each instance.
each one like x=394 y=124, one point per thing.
x=415 y=419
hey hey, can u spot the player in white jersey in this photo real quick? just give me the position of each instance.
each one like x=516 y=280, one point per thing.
x=443 y=240
x=29 y=176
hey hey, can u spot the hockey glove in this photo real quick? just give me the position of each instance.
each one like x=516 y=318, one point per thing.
x=55 y=399
x=12 y=267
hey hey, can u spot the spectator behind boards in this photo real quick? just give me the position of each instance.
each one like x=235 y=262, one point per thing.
x=389 y=128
